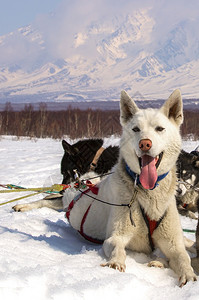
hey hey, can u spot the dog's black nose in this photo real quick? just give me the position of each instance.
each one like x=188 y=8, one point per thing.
x=145 y=144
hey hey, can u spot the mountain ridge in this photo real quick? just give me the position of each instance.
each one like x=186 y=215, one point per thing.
x=103 y=58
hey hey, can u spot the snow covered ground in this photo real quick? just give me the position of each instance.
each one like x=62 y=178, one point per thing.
x=43 y=258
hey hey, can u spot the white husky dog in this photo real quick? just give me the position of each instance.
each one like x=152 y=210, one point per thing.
x=141 y=189
x=139 y=207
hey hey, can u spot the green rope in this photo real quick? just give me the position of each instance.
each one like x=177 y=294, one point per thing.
x=189 y=230
x=54 y=188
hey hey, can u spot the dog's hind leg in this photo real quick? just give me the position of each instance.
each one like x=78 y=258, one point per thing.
x=54 y=203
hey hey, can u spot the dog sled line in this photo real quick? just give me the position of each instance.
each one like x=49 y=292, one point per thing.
x=79 y=183
x=74 y=174
x=60 y=188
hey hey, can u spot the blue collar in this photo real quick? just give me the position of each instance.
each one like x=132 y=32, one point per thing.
x=136 y=179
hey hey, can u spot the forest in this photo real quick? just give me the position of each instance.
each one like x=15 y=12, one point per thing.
x=74 y=123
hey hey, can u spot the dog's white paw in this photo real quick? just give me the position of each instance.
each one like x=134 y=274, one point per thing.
x=115 y=265
x=156 y=264
x=184 y=278
x=21 y=207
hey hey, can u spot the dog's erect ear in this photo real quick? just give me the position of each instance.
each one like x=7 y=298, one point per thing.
x=127 y=108
x=173 y=107
x=67 y=147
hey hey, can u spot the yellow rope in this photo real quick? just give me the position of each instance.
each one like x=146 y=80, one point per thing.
x=55 y=188
x=20 y=198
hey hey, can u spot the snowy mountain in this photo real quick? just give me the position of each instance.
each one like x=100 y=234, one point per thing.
x=99 y=60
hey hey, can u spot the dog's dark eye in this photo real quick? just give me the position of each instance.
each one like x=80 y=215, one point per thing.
x=159 y=128
x=136 y=129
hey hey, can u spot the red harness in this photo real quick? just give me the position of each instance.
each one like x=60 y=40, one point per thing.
x=94 y=189
x=151 y=224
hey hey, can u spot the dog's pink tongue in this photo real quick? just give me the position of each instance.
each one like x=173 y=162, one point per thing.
x=148 y=176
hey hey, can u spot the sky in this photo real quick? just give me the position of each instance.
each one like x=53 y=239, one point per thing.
x=18 y=13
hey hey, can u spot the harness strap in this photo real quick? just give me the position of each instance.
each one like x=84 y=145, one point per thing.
x=151 y=225
x=72 y=203
x=94 y=189
x=93 y=164
x=81 y=231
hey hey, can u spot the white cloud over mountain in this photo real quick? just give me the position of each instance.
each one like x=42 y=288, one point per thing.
x=92 y=49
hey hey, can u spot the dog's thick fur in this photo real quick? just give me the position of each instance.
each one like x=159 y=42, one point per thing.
x=112 y=224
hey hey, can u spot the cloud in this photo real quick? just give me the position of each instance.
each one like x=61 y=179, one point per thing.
x=16 y=50
x=169 y=13
x=65 y=31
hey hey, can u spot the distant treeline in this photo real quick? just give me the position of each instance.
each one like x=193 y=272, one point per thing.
x=73 y=122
